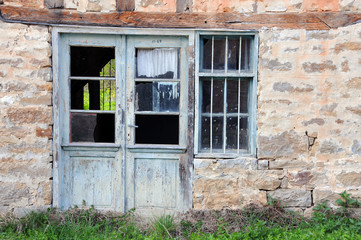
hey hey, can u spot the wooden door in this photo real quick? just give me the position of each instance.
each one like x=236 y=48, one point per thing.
x=90 y=121
x=123 y=115
x=156 y=129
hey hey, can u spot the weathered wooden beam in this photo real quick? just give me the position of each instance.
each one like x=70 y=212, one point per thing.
x=125 y=5
x=184 y=5
x=54 y=3
x=238 y=21
x=335 y=20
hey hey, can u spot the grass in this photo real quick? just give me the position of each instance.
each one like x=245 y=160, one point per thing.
x=250 y=223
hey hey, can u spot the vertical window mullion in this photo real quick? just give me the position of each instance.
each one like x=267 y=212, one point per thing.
x=212 y=54
x=226 y=55
x=211 y=119
x=238 y=115
x=225 y=115
x=240 y=55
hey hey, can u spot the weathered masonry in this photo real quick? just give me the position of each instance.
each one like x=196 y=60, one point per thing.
x=169 y=105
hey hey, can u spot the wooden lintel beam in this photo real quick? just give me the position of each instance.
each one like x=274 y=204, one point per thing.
x=239 y=21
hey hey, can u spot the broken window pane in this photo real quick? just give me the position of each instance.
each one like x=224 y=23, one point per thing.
x=93 y=95
x=92 y=61
x=219 y=53
x=218 y=96
x=157 y=63
x=217 y=132
x=92 y=127
x=207 y=53
x=157 y=96
x=233 y=53
x=157 y=129
x=205 y=133
x=245 y=57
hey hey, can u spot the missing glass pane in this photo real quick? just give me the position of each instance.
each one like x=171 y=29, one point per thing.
x=92 y=61
x=157 y=96
x=157 y=63
x=157 y=129
x=93 y=95
x=206 y=96
x=92 y=127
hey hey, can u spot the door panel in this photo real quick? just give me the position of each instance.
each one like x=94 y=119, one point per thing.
x=156 y=183
x=92 y=181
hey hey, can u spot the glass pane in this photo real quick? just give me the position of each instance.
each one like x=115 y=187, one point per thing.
x=205 y=133
x=219 y=51
x=157 y=96
x=218 y=96
x=93 y=95
x=232 y=96
x=92 y=61
x=233 y=53
x=244 y=96
x=207 y=53
x=206 y=96
x=245 y=57
x=217 y=133
x=157 y=129
x=232 y=123
x=243 y=133
x=157 y=63
x=92 y=127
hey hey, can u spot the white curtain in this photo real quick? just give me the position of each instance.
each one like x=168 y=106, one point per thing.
x=155 y=62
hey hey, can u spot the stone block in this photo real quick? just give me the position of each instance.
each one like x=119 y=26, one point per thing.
x=262 y=164
x=264 y=179
x=286 y=144
x=28 y=115
x=285 y=164
x=349 y=178
x=320 y=196
x=292 y=198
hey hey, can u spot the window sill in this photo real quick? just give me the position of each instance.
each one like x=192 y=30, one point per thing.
x=223 y=155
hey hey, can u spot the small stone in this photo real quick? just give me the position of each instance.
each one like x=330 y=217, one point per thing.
x=262 y=164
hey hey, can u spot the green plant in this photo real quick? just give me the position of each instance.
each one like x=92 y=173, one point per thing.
x=164 y=226
x=346 y=202
x=273 y=202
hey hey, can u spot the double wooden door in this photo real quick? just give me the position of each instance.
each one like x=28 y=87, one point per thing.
x=122 y=110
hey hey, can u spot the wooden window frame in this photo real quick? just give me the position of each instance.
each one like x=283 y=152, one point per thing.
x=252 y=93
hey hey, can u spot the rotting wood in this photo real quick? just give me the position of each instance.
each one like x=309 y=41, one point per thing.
x=54 y=3
x=125 y=5
x=308 y=21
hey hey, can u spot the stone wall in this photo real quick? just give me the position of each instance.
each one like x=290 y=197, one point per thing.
x=247 y=6
x=25 y=117
x=309 y=128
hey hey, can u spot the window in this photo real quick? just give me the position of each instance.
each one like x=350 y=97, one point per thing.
x=157 y=94
x=92 y=94
x=226 y=99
